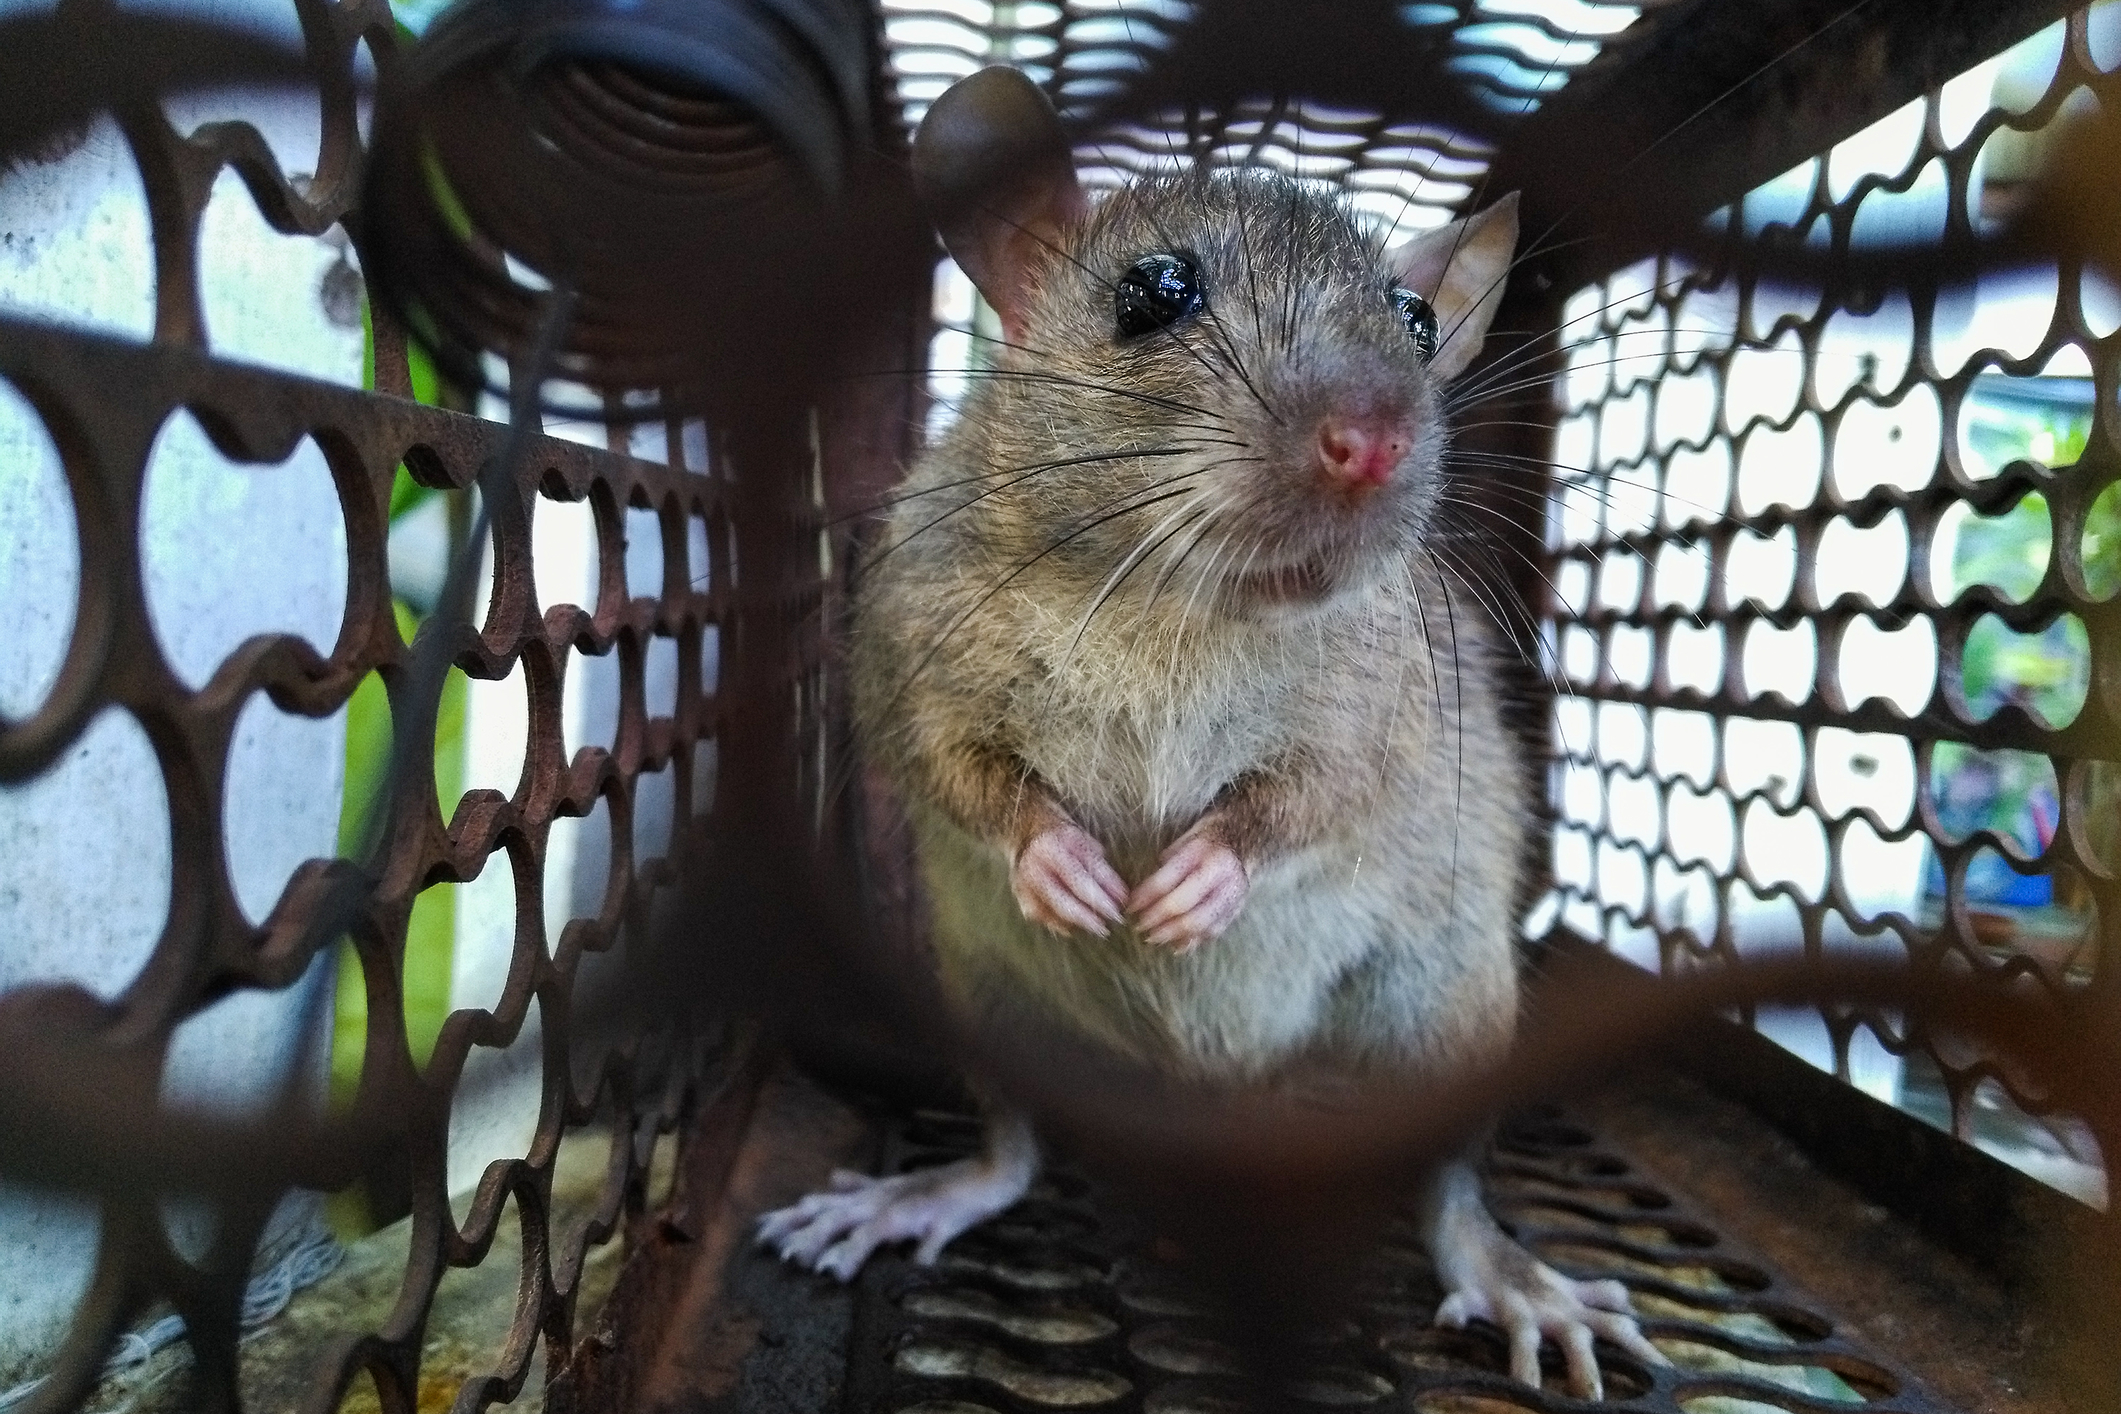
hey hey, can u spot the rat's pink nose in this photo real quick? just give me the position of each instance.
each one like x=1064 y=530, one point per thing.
x=1360 y=454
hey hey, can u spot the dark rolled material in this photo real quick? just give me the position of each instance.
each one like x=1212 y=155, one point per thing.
x=693 y=169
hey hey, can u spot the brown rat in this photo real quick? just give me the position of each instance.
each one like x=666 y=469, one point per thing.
x=1200 y=741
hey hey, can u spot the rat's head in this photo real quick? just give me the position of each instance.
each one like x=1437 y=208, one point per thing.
x=1238 y=384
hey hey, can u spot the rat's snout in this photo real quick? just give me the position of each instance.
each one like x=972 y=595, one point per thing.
x=1358 y=454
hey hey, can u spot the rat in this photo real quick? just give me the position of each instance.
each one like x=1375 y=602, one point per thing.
x=1201 y=748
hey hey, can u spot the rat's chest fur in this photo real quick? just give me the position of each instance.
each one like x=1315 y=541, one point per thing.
x=1385 y=942
x=1135 y=725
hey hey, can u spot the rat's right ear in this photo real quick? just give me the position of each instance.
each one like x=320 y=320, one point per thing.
x=1459 y=269
x=993 y=165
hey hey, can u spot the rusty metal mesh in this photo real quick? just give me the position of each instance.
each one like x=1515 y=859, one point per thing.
x=1061 y=1304
x=1086 y=51
x=1619 y=516
x=102 y=401
x=1771 y=665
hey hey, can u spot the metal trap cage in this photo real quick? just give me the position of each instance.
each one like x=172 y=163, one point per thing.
x=1801 y=477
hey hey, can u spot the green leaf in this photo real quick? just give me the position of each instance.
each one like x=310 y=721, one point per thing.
x=407 y=494
x=447 y=202
x=430 y=935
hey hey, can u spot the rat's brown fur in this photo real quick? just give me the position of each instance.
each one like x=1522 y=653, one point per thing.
x=1346 y=746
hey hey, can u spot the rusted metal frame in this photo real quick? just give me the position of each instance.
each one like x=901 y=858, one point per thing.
x=1495 y=547
x=1948 y=716
x=1724 y=94
x=90 y=60
x=103 y=402
x=2074 y=1003
x=178 y=171
x=1352 y=52
x=1981 y=601
x=836 y=457
x=767 y=829
x=777 y=597
x=2011 y=727
x=1922 y=944
x=1897 y=1034
x=2069 y=490
x=612 y=1366
x=1922 y=818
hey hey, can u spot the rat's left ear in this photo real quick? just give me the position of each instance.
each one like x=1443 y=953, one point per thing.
x=993 y=164
x=1465 y=296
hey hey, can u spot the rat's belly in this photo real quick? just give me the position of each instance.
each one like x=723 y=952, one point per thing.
x=1272 y=989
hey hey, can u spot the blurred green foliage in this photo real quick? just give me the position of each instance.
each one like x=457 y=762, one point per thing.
x=2048 y=672
x=2102 y=543
x=429 y=937
x=424 y=980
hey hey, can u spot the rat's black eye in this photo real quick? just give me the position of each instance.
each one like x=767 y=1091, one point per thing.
x=1158 y=290
x=1420 y=319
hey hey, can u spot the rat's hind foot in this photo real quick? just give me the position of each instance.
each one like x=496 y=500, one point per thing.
x=1532 y=1302
x=835 y=1230
x=1489 y=1277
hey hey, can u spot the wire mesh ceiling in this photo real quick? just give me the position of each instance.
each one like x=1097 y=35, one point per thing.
x=1400 y=168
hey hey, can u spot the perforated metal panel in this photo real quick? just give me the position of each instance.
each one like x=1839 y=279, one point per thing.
x=102 y=401
x=1658 y=612
x=1834 y=573
x=1061 y=1303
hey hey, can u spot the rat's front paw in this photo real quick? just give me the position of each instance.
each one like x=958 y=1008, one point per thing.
x=1509 y=1287
x=1195 y=893
x=1062 y=880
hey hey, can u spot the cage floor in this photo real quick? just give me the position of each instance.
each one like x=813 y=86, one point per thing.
x=1066 y=1304
x=1059 y=1305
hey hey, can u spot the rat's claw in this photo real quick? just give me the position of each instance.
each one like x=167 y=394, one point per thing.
x=1516 y=1318
x=1582 y=1361
x=1528 y=1317
x=1195 y=893
x=1062 y=880
x=1623 y=1332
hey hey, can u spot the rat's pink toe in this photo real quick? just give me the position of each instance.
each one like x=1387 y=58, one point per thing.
x=1062 y=881
x=1197 y=893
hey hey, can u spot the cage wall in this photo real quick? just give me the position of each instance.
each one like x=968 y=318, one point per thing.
x=1764 y=548
x=1832 y=567
x=233 y=495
